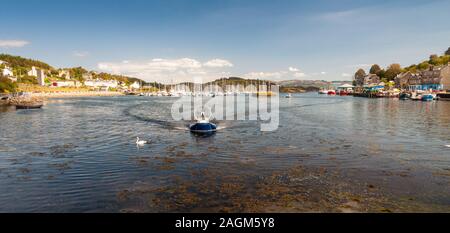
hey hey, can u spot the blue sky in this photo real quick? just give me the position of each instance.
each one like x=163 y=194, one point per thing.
x=175 y=40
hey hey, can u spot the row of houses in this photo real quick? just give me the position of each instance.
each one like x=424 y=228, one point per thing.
x=40 y=75
x=98 y=84
x=435 y=78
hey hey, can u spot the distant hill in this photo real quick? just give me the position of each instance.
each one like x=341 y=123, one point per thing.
x=304 y=83
x=18 y=61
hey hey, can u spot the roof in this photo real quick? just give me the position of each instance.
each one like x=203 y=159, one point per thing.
x=346 y=86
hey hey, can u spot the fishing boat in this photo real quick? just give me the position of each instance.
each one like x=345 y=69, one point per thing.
x=331 y=92
x=29 y=106
x=203 y=126
x=323 y=92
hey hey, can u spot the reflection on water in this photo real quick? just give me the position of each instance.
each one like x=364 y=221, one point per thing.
x=329 y=154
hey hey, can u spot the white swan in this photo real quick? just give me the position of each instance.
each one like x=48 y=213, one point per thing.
x=447 y=146
x=140 y=142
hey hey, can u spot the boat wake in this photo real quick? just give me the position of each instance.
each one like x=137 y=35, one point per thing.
x=145 y=115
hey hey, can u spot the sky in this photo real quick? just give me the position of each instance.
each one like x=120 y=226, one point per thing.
x=178 y=40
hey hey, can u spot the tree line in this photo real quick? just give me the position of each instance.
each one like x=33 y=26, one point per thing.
x=393 y=70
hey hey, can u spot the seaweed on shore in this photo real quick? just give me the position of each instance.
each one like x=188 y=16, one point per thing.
x=296 y=190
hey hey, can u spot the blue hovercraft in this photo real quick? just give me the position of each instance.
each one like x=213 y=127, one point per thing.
x=203 y=126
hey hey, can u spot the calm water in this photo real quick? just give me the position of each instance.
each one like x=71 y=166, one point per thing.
x=79 y=155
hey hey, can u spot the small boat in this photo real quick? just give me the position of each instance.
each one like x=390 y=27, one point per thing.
x=288 y=96
x=323 y=92
x=331 y=92
x=416 y=96
x=404 y=96
x=343 y=93
x=203 y=126
x=443 y=96
x=29 y=106
x=427 y=97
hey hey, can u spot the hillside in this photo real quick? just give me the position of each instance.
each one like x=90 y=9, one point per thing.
x=21 y=66
x=18 y=61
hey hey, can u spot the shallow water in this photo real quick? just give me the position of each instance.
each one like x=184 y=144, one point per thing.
x=79 y=155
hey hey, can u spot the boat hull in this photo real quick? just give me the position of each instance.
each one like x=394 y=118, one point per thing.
x=29 y=106
x=404 y=96
x=203 y=128
x=427 y=98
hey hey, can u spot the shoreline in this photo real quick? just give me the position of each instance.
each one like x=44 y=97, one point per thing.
x=51 y=95
x=76 y=94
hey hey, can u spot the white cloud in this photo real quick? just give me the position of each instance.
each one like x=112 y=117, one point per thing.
x=346 y=75
x=81 y=53
x=319 y=73
x=299 y=75
x=13 y=43
x=168 y=70
x=359 y=66
x=266 y=75
x=293 y=69
x=218 y=63
x=276 y=76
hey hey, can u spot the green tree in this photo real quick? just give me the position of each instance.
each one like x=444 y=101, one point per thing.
x=360 y=74
x=448 y=52
x=77 y=73
x=434 y=60
x=423 y=66
x=6 y=85
x=381 y=74
x=392 y=71
x=375 y=69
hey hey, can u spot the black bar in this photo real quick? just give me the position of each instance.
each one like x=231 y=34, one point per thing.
x=225 y=222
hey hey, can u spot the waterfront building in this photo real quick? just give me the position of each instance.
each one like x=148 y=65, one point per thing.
x=367 y=80
x=66 y=83
x=101 y=83
x=345 y=87
x=434 y=78
x=39 y=74
x=403 y=80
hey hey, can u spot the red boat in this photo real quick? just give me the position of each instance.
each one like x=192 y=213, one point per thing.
x=343 y=93
x=331 y=92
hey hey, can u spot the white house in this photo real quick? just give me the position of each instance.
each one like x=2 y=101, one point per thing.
x=101 y=83
x=39 y=74
x=65 y=83
x=7 y=72
x=135 y=85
